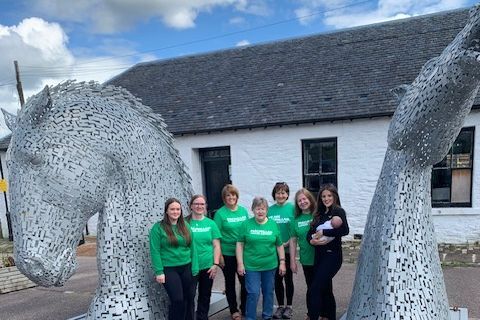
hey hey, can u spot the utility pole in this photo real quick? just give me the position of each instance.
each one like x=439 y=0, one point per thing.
x=19 y=84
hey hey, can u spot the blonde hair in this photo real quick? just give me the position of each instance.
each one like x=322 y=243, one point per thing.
x=229 y=189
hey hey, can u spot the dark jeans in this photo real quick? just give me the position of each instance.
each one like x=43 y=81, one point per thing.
x=280 y=289
x=204 y=293
x=180 y=286
x=308 y=273
x=229 y=272
x=322 y=300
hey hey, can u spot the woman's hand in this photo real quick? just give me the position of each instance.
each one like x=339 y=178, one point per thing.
x=318 y=234
x=319 y=241
x=241 y=269
x=282 y=269
x=293 y=266
x=160 y=278
x=212 y=272
x=221 y=262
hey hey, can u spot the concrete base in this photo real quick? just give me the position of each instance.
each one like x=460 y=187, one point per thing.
x=455 y=314
x=218 y=302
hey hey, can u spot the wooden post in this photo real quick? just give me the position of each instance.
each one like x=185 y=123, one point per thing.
x=19 y=84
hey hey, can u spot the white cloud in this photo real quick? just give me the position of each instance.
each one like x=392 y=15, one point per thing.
x=242 y=43
x=119 y=15
x=232 y=21
x=33 y=42
x=40 y=47
x=304 y=15
x=344 y=13
x=256 y=7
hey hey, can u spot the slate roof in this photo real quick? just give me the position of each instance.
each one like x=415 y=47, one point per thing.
x=341 y=75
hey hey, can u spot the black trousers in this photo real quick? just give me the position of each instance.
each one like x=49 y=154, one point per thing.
x=229 y=272
x=204 y=293
x=308 y=273
x=321 y=295
x=280 y=290
x=180 y=286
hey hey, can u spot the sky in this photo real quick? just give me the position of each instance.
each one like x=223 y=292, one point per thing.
x=57 y=40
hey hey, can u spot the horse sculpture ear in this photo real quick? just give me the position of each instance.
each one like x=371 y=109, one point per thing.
x=45 y=98
x=399 y=92
x=38 y=106
x=10 y=120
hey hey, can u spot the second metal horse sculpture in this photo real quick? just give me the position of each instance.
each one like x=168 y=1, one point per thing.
x=399 y=274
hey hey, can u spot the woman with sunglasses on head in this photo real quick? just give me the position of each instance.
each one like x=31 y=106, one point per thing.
x=207 y=243
x=328 y=252
x=282 y=212
x=174 y=260
x=229 y=218
x=305 y=206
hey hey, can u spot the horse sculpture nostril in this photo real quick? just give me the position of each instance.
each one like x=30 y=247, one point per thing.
x=33 y=266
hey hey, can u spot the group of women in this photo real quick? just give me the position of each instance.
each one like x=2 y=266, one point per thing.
x=261 y=252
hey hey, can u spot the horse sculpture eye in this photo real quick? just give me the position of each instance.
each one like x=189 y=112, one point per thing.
x=36 y=160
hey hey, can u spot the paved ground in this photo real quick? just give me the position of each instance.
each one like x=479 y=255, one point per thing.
x=39 y=303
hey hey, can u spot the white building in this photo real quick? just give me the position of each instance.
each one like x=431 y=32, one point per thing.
x=309 y=111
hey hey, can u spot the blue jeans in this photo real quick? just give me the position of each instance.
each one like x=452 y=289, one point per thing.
x=254 y=280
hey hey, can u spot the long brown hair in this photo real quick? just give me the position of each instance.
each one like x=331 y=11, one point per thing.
x=195 y=197
x=321 y=208
x=181 y=226
x=310 y=197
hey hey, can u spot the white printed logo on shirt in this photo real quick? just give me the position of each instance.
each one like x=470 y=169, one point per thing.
x=199 y=229
x=261 y=232
x=238 y=219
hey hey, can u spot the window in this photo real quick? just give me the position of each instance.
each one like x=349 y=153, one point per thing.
x=452 y=177
x=319 y=163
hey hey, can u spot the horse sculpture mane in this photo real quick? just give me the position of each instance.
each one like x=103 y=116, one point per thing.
x=82 y=148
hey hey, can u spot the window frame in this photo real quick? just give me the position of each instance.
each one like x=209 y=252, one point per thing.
x=305 y=169
x=449 y=204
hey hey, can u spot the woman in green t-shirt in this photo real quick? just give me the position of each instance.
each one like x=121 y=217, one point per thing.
x=207 y=244
x=282 y=212
x=259 y=250
x=229 y=218
x=305 y=205
x=174 y=260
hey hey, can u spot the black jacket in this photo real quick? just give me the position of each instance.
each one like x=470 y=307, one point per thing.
x=335 y=244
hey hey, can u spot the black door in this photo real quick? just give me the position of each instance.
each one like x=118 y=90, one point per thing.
x=216 y=174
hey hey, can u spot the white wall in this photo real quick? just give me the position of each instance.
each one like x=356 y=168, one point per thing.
x=261 y=157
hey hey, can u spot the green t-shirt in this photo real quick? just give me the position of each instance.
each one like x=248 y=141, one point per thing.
x=229 y=223
x=163 y=254
x=260 y=244
x=205 y=231
x=299 y=230
x=283 y=216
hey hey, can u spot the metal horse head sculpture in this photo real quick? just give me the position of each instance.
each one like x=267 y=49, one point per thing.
x=82 y=148
x=399 y=274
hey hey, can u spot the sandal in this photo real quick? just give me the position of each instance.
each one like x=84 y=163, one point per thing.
x=236 y=316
